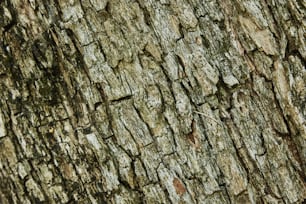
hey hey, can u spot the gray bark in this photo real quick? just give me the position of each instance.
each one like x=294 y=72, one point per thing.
x=170 y=101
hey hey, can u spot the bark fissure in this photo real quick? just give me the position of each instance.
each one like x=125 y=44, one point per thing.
x=165 y=101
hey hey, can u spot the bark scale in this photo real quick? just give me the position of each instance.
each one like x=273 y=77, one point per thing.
x=170 y=101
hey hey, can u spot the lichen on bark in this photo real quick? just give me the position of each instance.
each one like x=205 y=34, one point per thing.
x=169 y=101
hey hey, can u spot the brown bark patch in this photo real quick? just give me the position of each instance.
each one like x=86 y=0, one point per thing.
x=68 y=171
x=192 y=136
x=179 y=187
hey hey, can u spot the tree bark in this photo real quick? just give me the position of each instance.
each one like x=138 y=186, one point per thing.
x=170 y=101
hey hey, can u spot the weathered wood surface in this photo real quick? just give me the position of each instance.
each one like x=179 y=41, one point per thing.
x=170 y=101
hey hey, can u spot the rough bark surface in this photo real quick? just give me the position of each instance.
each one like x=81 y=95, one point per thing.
x=169 y=101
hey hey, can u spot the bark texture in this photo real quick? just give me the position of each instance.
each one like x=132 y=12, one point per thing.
x=169 y=101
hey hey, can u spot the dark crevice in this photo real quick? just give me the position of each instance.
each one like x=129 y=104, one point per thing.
x=7 y=27
x=14 y=15
x=289 y=139
x=205 y=41
x=146 y=15
x=292 y=50
x=224 y=188
x=200 y=118
x=123 y=98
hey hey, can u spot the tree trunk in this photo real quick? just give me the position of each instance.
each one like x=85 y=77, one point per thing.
x=170 y=101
